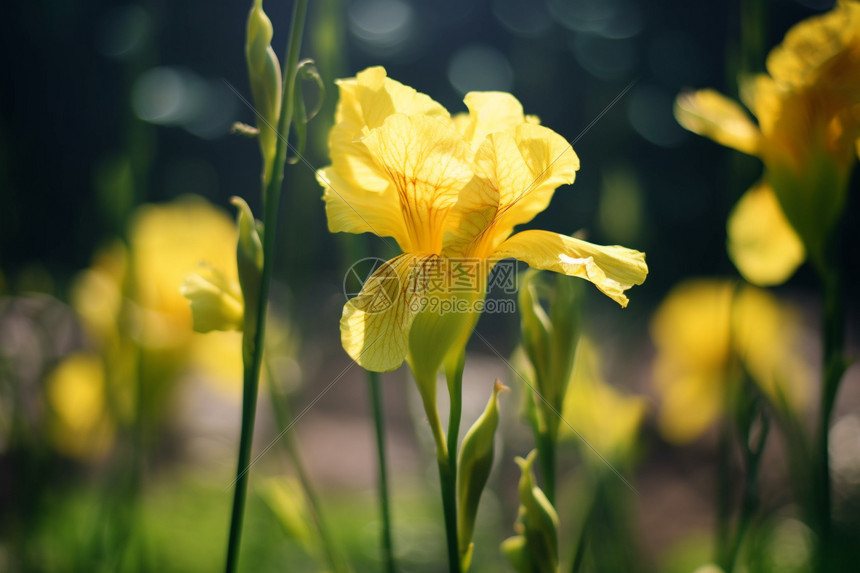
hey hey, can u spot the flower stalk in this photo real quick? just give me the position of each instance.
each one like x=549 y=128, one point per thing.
x=373 y=384
x=254 y=342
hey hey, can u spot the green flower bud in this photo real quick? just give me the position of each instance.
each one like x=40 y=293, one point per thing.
x=537 y=524
x=264 y=73
x=476 y=460
x=249 y=261
x=536 y=327
x=514 y=548
x=550 y=340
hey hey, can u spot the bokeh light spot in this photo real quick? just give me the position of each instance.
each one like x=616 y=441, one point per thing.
x=526 y=19
x=175 y=96
x=603 y=58
x=124 y=30
x=381 y=24
x=650 y=113
x=480 y=68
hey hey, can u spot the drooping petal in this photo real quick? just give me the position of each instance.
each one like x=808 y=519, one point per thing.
x=375 y=325
x=713 y=115
x=424 y=159
x=761 y=242
x=613 y=269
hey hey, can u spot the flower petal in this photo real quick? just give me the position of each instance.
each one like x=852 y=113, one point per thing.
x=358 y=193
x=351 y=209
x=613 y=269
x=489 y=112
x=516 y=175
x=761 y=242
x=374 y=327
x=713 y=115
x=370 y=97
x=822 y=50
x=424 y=159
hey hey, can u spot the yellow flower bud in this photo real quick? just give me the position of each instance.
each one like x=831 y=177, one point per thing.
x=216 y=302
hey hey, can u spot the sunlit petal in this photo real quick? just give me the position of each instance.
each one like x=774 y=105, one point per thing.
x=351 y=209
x=424 y=160
x=613 y=269
x=516 y=175
x=375 y=325
x=489 y=112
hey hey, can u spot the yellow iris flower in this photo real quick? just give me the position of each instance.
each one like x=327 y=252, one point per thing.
x=450 y=191
x=808 y=136
x=703 y=332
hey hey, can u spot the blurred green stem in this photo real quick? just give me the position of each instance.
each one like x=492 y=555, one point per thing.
x=373 y=382
x=724 y=488
x=750 y=497
x=251 y=372
x=284 y=417
x=545 y=442
x=833 y=363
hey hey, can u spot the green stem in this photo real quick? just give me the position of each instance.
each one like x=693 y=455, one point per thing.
x=379 y=423
x=723 y=493
x=284 y=418
x=454 y=377
x=448 y=481
x=582 y=542
x=251 y=372
x=750 y=499
x=833 y=363
x=545 y=442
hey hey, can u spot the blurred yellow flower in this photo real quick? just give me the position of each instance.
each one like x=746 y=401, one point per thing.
x=606 y=418
x=132 y=294
x=450 y=192
x=76 y=394
x=704 y=333
x=167 y=243
x=808 y=136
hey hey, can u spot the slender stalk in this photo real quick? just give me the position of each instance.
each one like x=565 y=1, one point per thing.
x=251 y=372
x=582 y=541
x=379 y=424
x=284 y=418
x=750 y=496
x=833 y=364
x=545 y=442
x=454 y=376
x=448 y=482
x=723 y=493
